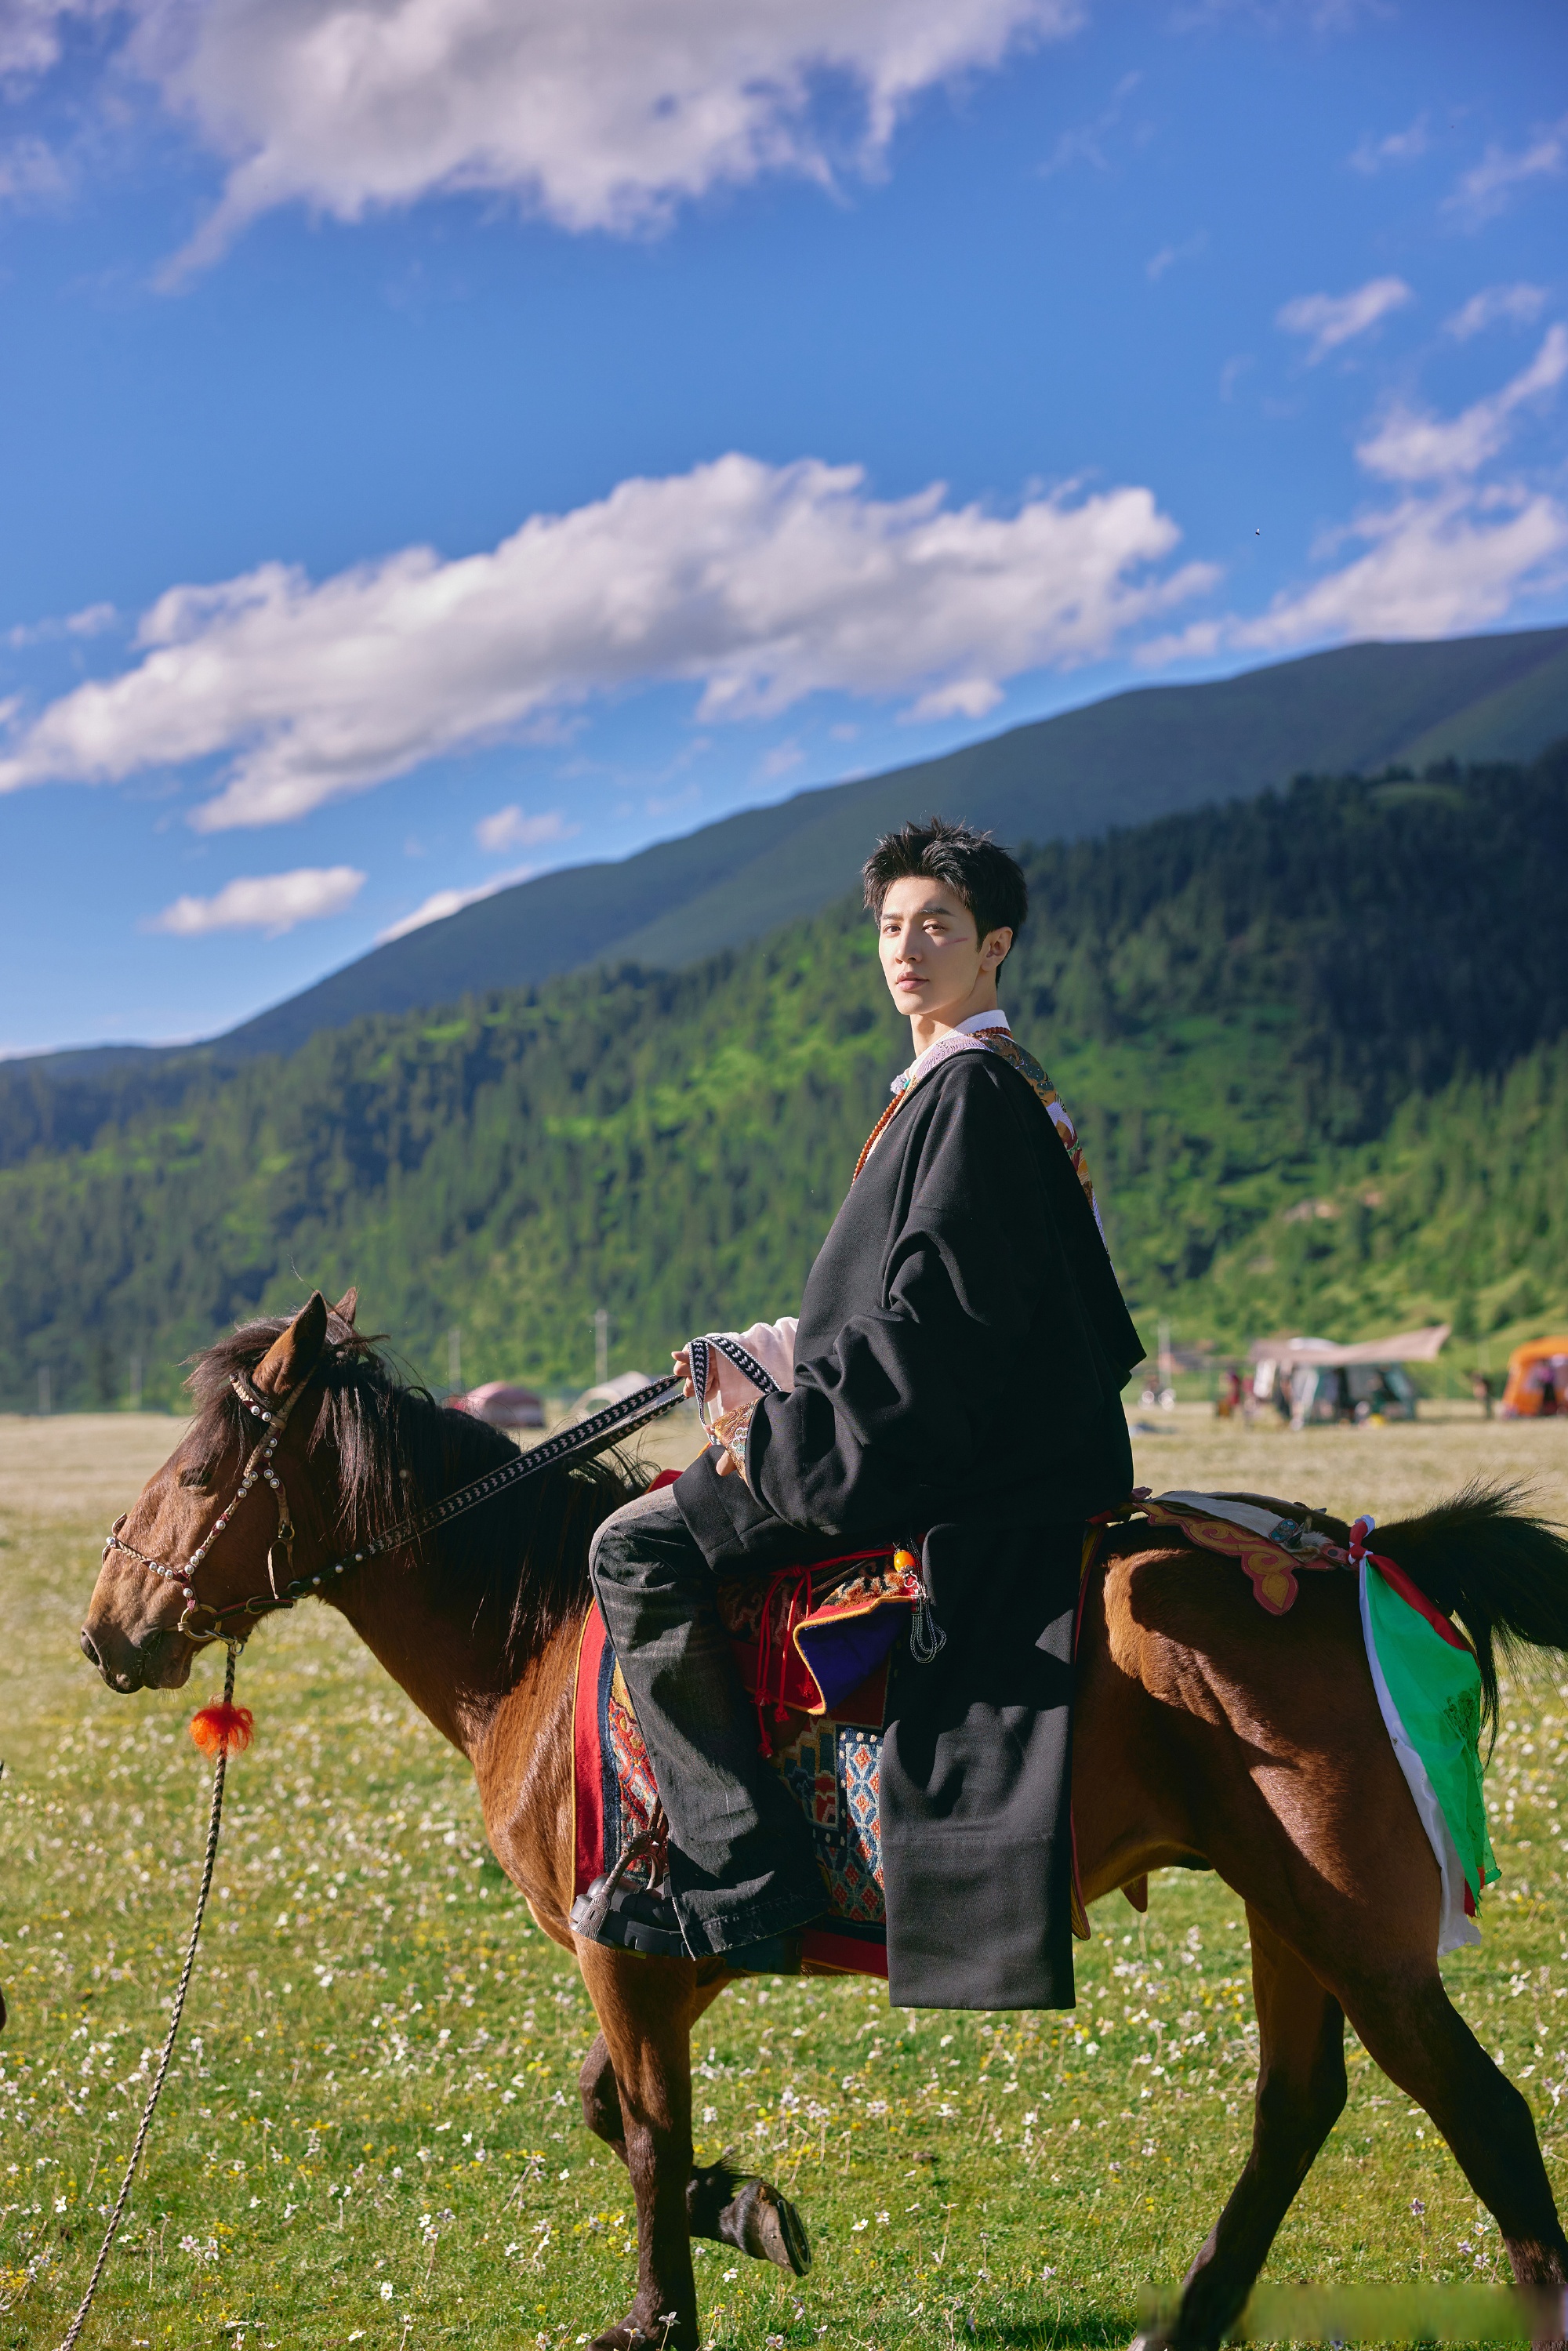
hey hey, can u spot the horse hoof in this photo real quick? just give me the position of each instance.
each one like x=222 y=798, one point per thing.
x=631 y=2336
x=765 y=2225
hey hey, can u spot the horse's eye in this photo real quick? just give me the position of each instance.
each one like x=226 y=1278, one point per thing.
x=196 y=1478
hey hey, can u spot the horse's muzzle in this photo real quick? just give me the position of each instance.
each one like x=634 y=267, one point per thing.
x=159 y=1660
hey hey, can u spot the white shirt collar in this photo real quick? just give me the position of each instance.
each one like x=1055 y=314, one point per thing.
x=969 y=1028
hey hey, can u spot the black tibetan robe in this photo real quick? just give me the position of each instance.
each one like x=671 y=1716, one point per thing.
x=958 y=1366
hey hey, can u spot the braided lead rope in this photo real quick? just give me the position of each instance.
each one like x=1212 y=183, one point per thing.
x=213 y=1824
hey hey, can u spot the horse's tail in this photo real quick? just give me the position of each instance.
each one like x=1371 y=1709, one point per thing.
x=1489 y=1559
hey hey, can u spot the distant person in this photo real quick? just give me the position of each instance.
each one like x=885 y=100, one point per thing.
x=1484 y=1391
x=954 y=1382
x=1227 y=1403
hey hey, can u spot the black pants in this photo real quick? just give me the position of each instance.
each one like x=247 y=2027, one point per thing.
x=742 y=1860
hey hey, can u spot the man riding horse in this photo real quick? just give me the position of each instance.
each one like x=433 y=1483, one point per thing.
x=953 y=1382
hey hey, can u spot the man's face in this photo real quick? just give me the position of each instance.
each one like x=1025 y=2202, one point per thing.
x=932 y=959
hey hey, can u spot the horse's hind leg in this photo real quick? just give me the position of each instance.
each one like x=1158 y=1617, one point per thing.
x=1414 y=2032
x=1300 y=2091
x=729 y=2206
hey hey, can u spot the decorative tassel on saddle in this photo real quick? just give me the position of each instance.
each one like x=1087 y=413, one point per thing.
x=223 y=1728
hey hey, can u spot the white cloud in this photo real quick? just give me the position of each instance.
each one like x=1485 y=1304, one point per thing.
x=91 y=621
x=1086 y=142
x=1411 y=447
x=442 y=903
x=603 y=114
x=763 y=584
x=1451 y=554
x=30 y=171
x=1168 y=255
x=1434 y=565
x=272 y=903
x=1231 y=373
x=31 y=34
x=510 y=829
x=1488 y=186
x=1398 y=147
x=1332 y=319
x=967 y=697
x=1516 y=306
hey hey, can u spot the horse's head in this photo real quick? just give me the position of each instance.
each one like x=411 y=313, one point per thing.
x=133 y=1633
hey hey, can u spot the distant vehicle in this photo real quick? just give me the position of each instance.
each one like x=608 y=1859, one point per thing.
x=1537 y=1381
x=502 y=1405
x=1317 y=1380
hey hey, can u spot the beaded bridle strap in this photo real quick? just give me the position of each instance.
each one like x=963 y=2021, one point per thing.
x=259 y=1465
x=588 y=1436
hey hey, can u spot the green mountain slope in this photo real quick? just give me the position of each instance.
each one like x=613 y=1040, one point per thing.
x=1122 y=761
x=1316 y=1043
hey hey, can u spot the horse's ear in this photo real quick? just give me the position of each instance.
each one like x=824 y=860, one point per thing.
x=347 y=1306
x=294 y=1353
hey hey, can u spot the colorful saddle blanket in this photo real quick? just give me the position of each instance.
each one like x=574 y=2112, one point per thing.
x=812 y=1644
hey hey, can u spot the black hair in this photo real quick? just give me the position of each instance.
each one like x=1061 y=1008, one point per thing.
x=990 y=882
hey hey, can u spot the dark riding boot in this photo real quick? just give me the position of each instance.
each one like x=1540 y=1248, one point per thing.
x=742 y=1862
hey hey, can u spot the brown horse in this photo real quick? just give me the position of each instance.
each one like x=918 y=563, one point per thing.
x=1208 y=1734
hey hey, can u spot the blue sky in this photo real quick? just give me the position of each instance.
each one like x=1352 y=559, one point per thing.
x=450 y=439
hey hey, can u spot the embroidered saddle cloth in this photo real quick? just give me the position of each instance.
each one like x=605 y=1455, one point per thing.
x=812 y=1644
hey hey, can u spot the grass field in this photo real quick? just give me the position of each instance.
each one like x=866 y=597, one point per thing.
x=371 y=2132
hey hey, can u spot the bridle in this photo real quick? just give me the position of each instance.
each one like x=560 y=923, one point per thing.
x=259 y=1465
x=587 y=1437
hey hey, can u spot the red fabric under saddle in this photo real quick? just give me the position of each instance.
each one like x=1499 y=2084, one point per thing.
x=812 y=1644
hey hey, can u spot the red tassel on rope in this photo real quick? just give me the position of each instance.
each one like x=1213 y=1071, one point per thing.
x=222 y=1727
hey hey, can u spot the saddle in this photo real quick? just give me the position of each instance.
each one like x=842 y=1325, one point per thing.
x=813 y=1645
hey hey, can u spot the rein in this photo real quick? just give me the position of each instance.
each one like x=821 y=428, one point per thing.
x=588 y=1437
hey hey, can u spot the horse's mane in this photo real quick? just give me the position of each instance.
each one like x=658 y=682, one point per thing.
x=517 y=1565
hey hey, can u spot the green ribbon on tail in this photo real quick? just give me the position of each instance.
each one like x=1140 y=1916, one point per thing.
x=1429 y=1691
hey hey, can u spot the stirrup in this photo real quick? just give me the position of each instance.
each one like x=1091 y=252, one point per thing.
x=629 y=1917
x=588 y=1912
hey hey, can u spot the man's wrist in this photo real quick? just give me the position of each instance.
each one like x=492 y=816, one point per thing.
x=731 y=1432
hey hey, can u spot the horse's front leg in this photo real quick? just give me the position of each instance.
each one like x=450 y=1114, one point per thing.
x=645 y=2009
x=729 y=2206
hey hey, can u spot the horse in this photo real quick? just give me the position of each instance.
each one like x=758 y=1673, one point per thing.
x=1207 y=1734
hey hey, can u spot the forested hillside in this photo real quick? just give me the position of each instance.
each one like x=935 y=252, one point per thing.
x=1318 y=1044
x=1130 y=759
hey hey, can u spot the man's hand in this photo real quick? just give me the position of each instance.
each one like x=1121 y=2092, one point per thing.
x=682 y=1359
x=726 y=1426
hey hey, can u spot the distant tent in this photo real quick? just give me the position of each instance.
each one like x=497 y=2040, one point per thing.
x=609 y=1392
x=503 y=1405
x=1536 y=1372
x=1321 y=1380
